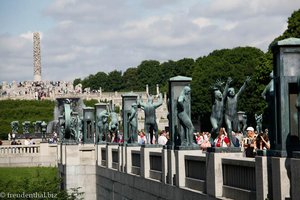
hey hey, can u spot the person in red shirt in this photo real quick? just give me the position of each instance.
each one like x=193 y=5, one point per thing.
x=222 y=139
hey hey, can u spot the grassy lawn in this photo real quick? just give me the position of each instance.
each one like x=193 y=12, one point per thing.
x=30 y=180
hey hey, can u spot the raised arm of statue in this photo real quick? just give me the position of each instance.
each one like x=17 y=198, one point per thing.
x=141 y=104
x=229 y=80
x=264 y=93
x=243 y=86
x=159 y=101
x=269 y=88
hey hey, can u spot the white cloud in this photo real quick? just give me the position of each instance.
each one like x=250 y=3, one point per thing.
x=202 y=22
x=91 y=36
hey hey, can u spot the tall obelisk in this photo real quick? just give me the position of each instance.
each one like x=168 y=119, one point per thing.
x=37 y=74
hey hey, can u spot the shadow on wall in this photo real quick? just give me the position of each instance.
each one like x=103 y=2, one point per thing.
x=292 y=144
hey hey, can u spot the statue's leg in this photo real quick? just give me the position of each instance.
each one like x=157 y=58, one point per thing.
x=235 y=127
x=134 y=134
x=190 y=133
x=188 y=127
x=215 y=127
x=229 y=128
x=155 y=130
x=151 y=134
x=182 y=132
x=147 y=128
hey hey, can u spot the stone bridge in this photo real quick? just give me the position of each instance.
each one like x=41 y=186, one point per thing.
x=114 y=171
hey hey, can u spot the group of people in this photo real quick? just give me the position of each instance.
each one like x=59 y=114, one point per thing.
x=203 y=139
x=163 y=139
x=251 y=142
x=255 y=141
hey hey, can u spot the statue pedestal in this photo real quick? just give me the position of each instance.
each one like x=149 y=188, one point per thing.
x=132 y=159
x=151 y=160
x=224 y=149
x=132 y=145
x=113 y=156
x=180 y=163
x=214 y=167
x=152 y=146
x=193 y=147
x=69 y=142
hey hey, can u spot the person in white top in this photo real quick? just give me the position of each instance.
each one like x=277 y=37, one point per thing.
x=162 y=139
x=26 y=142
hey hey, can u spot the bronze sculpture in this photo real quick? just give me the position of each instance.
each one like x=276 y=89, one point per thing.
x=231 y=117
x=183 y=109
x=150 y=116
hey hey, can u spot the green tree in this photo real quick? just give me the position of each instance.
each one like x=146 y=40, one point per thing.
x=115 y=81
x=102 y=80
x=184 y=67
x=130 y=79
x=76 y=81
x=149 y=72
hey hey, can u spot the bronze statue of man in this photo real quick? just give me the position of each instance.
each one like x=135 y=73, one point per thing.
x=150 y=116
x=231 y=116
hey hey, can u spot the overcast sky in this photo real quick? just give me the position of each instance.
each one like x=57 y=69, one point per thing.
x=84 y=37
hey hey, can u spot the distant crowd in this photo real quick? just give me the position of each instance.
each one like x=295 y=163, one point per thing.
x=249 y=143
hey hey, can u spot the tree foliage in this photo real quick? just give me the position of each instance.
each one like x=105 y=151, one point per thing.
x=236 y=63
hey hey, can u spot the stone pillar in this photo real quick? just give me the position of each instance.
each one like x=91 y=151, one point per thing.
x=145 y=158
x=37 y=74
x=180 y=165
x=286 y=59
x=128 y=157
x=127 y=101
x=88 y=125
x=176 y=84
x=280 y=180
x=295 y=175
x=262 y=179
x=214 y=172
x=77 y=168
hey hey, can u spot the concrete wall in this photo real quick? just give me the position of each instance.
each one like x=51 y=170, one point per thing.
x=77 y=167
x=116 y=185
x=28 y=156
x=113 y=171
